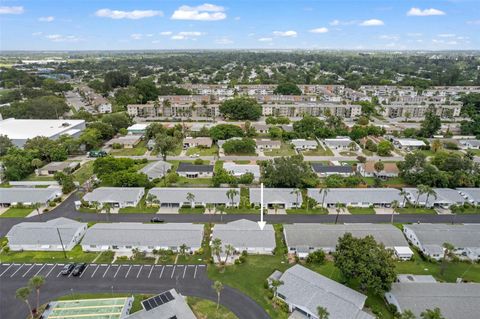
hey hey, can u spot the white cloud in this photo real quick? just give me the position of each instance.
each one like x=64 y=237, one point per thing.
x=11 y=10
x=204 y=12
x=46 y=19
x=62 y=38
x=36 y=34
x=236 y=18
x=388 y=37
x=319 y=30
x=286 y=34
x=166 y=33
x=335 y=22
x=446 y=35
x=417 y=12
x=133 y=15
x=265 y=39
x=185 y=35
x=136 y=36
x=224 y=40
x=447 y=42
x=371 y=23
x=474 y=22
x=414 y=34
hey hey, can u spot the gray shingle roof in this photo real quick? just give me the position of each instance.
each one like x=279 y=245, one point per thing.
x=192 y=168
x=138 y=234
x=204 y=195
x=357 y=195
x=461 y=236
x=321 y=168
x=156 y=169
x=456 y=301
x=326 y=235
x=471 y=193
x=245 y=234
x=28 y=195
x=308 y=290
x=114 y=194
x=444 y=196
x=44 y=233
x=274 y=195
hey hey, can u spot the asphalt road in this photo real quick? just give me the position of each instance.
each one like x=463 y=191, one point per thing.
x=189 y=280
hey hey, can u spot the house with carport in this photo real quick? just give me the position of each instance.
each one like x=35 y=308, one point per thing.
x=284 y=198
x=118 y=197
x=356 y=197
x=176 y=197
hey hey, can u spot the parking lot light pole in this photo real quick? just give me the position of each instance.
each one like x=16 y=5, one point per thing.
x=61 y=242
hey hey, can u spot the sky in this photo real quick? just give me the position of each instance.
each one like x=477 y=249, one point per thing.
x=239 y=24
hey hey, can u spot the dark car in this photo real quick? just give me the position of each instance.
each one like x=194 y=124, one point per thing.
x=156 y=220
x=79 y=268
x=67 y=269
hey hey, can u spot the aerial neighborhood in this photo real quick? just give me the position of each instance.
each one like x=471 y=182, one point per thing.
x=238 y=184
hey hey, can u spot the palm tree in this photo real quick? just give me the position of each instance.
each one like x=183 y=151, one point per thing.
x=218 y=286
x=337 y=205
x=209 y=207
x=150 y=199
x=221 y=209
x=36 y=206
x=107 y=207
x=324 y=191
x=447 y=253
x=183 y=249
x=297 y=192
x=229 y=250
x=432 y=314
x=36 y=283
x=421 y=189
x=96 y=205
x=430 y=192
x=276 y=207
x=275 y=284
x=217 y=248
x=404 y=194
x=407 y=314
x=394 y=205
x=231 y=193
x=352 y=146
x=22 y=294
x=322 y=313
x=191 y=199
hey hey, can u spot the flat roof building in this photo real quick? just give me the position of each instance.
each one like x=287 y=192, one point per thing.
x=357 y=197
x=156 y=169
x=283 y=197
x=177 y=196
x=327 y=170
x=241 y=169
x=116 y=196
x=444 y=197
x=28 y=196
x=472 y=195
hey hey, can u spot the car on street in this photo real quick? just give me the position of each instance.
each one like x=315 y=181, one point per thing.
x=67 y=269
x=79 y=268
x=156 y=220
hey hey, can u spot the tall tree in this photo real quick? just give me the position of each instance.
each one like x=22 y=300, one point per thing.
x=36 y=283
x=218 y=287
x=432 y=314
x=22 y=294
x=431 y=124
x=217 y=249
x=165 y=144
x=322 y=313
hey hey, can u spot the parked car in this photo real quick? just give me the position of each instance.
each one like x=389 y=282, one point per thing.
x=79 y=268
x=67 y=269
x=156 y=220
x=97 y=154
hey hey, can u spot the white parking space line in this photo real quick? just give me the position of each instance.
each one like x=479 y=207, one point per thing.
x=16 y=271
x=161 y=273
x=151 y=269
x=140 y=270
x=173 y=272
x=95 y=271
x=184 y=271
x=58 y=275
x=6 y=270
x=118 y=269
x=84 y=271
x=128 y=271
x=195 y=273
x=28 y=270
x=50 y=271
x=106 y=271
x=39 y=270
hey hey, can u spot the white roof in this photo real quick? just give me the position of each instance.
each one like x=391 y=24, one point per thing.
x=138 y=126
x=25 y=128
x=240 y=169
x=409 y=142
x=114 y=194
x=243 y=234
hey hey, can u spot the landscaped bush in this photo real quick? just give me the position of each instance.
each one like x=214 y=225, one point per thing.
x=316 y=257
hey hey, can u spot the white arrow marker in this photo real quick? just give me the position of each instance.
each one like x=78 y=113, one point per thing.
x=261 y=223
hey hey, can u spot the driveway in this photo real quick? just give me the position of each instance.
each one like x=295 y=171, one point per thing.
x=189 y=280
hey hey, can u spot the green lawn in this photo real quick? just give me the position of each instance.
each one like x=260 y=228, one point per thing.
x=182 y=181
x=348 y=153
x=468 y=210
x=34 y=177
x=138 y=150
x=284 y=150
x=417 y=210
x=310 y=211
x=140 y=208
x=13 y=212
x=242 y=162
x=189 y=210
x=84 y=172
x=320 y=151
x=208 y=309
x=242 y=210
x=76 y=255
x=203 y=151
x=361 y=210
x=136 y=305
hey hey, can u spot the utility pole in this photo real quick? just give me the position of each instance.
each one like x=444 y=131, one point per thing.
x=61 y=242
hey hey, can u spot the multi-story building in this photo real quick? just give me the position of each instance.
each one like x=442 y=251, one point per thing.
x=313 y=109
x=397 y=110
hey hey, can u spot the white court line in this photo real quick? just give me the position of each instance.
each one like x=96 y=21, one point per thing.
x=128 y=271
x=84 y=271
x=173 y=272
x=50 y=271
x=17 y=270
x=195 y=274
x=95 y=271
x=6 y=270
x=139 y=271
x=28 y=271
x=161 y=273
x=40 y=270
x=106 y=271
x=184 y=271
x=151 y=269
x=118 y=269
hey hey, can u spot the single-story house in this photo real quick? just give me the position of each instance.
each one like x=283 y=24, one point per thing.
x=28 y=196
x=151 y=144
x=191 y=170
x=302 y=144
x=123 y=237
x=46 y=236
x=408 y=143
x=241 y=169
x=326 y=170
x=127 y=141
x=156 y=169
x=455 y=300
x=177 y=196
x=189 y=141
x=283 y=197
x=304 y=290
x=287 y=127
x=221 y=142
x=118 y=197
x=54 y=167
x=429 y=238
x=470 y=144
x=368 y=170
x=340 y=143
x=472 y=195
x=356 y=197
x=444 y=197
x=167 y=305
x=139 y=128
x=260 y=127
x=245 y=235
x=266 y=144
x=303 y=239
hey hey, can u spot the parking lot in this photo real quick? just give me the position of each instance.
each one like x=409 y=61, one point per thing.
x=104 y=271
